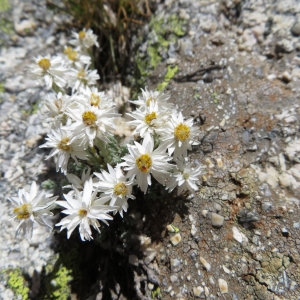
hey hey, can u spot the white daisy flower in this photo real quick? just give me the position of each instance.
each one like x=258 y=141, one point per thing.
x=143 y=161
x=148 y=120
x=96 y=98
x=91 y=122
x=178 y=136
x=81 y=78
x=116 y=187
x=84 y=38
x=64 y=146
x=49 y=69
x=57 y=108
x=74 y=58
x=84 y=210
x=31 y=208
x=184 y=177
x=159 y=98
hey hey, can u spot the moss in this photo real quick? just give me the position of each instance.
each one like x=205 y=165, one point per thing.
x=4 y=5
x=17 y=283
x=61 y=284
x=169 y=75
x=161 y=34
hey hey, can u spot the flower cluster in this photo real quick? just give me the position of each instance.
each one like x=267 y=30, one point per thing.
x=83 y=120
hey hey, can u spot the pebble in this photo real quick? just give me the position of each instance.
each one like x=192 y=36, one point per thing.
x=175 y=265
x=175 y=239
x=193 y=230
x=206 y=265
x=217 y=220
x=296 y=28
x=223 y=286
x=197 y=291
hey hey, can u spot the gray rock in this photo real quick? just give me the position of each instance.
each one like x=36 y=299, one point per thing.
x=296 y=28
x=217 y=220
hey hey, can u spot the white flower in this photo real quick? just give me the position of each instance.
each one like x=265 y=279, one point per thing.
x=84 y=38
x=143 y=161
x=91 y=122
x=65 y=147
x=148 y=120
x=178 y=136
x=116 y=187
x=50 y=69
x=31 y=208
x=184 y=177
x=81 y=78
x=154 y=97
x=84 y=210
x=57 y=108
x=74 y=58
x=95 y=98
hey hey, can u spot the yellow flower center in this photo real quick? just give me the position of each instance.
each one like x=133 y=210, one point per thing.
x=81 y=35
x=144 y=162
x=63 y=144
x=95 y=100
x=182 y=132
x=24 y=211
x=148 y=101
x=72 y=55
x=82 y=212
x=89 y=118
x=81 y=74
x=68 y=50
x=150 y=117
x=120 y=189
x=186 y=176
x=44 y=63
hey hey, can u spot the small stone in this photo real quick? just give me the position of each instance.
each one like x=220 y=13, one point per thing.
x=193 y=230
x=175 y=265
x=226 y=270
x=150 y=286
x=296 y=28
x=204 y=213
x=218 y=207
x=206 y=291
x=197 y=291
x=239 y=236
x=266 y=206
x=296 y=225
x=174 y=278
x=286 y=77
x=223 y=286
x=175 y=239
x=133 y=260
x=217 y=220
x=188 y=278
x=170 y=228
x=205 y=264
x=220 y=163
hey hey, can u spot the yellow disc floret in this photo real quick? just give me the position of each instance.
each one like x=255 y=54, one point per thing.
x=120 y=189
x=150 y=117
x=63 y=144
x=81 y=74
x=68 y=50
x=89 y=118
x=95 y=100
x=44 y=63
x=82 y=212
x=24 y=211
x=148 y=101
x=182 y=132
x=186 y=176
x=81 y=35
x=72 y=55
x=144 y=162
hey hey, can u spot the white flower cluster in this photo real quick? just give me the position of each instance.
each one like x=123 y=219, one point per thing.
x=79 y=120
